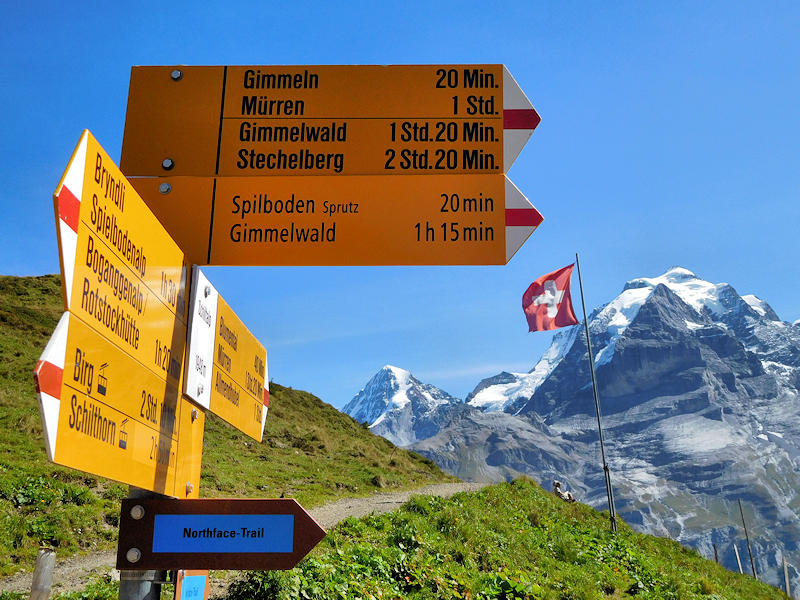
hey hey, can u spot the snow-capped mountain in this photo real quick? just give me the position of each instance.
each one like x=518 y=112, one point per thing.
x=718 y=306
x=700 y=392
x=504 y=391
x=700 y=395
x=399 y=406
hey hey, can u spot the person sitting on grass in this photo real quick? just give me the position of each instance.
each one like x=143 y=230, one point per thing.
x=565 y=495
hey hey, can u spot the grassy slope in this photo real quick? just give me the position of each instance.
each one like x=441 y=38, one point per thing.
x=507 y=541
x=310 y=450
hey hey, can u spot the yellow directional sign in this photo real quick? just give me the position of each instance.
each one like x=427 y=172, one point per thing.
x=227 y=365
x=104 y=413
x=324 y=120
x=358 y=220
x=109 y=380
x=122 y=272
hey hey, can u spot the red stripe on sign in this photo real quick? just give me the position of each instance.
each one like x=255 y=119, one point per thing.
x=266 y=397
x=48 y=379
x=520 y=118
x=523 y=217
x=69 y=207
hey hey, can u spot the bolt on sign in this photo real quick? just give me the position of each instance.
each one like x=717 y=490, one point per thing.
x=226 y=369
x=203 y=146
x=250 y=534
x=109 y=380
x=324 y=120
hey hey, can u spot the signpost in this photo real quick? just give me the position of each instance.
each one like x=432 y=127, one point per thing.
x=104 y=413
x=240 y=151
x=214 y=534
x=247 y=165
x=360 y=220
x=122 y=273
x=324 y=120
x=227 y=366
x=109 y=380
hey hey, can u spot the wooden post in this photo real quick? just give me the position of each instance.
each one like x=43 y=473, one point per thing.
x=738 y=560
x=43 y=574
x=716 y=554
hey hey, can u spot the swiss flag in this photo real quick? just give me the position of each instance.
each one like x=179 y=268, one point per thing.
x=547 y=302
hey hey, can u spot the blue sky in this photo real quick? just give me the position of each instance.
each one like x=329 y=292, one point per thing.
x=669 y=136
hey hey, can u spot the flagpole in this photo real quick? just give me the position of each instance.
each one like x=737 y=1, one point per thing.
x=609 y=492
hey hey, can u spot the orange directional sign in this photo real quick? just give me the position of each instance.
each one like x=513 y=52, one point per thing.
x=104 y=413
x=226 y=370
x=122 y=272
x=324 y=120
x=358 y=220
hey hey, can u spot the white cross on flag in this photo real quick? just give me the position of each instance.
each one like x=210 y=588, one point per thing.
x=547 y=303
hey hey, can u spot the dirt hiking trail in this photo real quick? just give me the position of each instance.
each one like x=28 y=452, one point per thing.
x=72 y=574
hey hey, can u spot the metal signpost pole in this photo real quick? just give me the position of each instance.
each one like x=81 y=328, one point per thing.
x=141 y=584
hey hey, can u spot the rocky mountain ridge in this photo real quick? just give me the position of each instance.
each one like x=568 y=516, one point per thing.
x=399 y=406
x=699 y=389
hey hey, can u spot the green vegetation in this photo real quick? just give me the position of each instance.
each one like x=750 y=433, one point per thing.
x=40 y=503
x=506 y=542
x=98 y=588
x=310 y=450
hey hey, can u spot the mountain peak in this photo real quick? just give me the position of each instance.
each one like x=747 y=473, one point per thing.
x=396 y=372
x=698 y=293
x=678 y=274
x=672 y=276
x=393 y=396
x=757 y=304
x=707 y=304
x=700 y=390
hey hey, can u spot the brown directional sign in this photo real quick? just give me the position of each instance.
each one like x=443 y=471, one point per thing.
x=324 y=120
x=214 y=534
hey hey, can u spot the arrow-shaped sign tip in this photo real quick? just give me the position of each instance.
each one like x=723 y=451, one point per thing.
x=522 y=219
x=519 y=119
x=308 y=533
x=48 y=376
